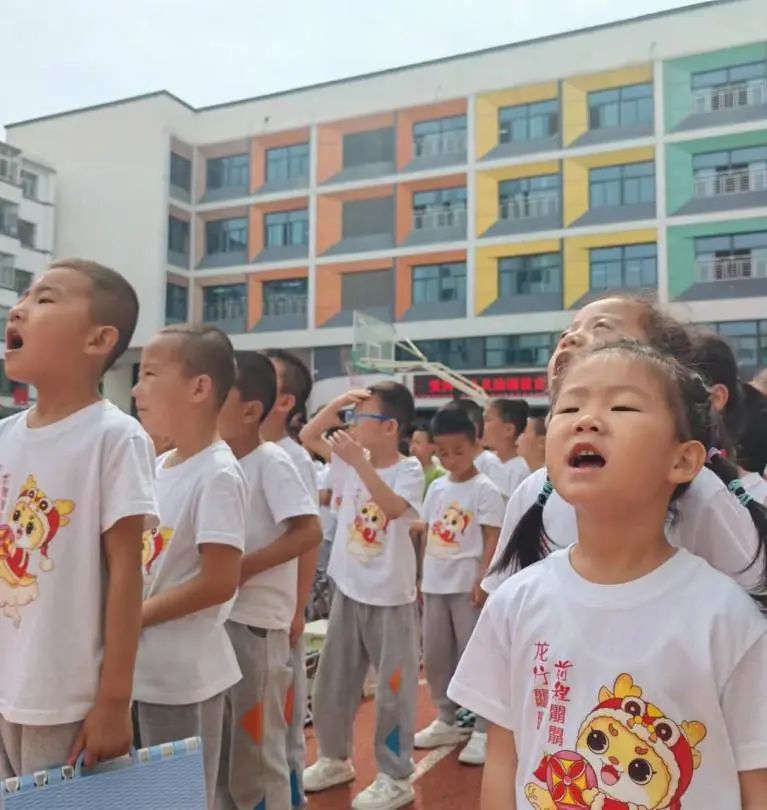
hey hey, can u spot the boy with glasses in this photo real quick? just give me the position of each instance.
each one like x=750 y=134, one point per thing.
x=373 y=620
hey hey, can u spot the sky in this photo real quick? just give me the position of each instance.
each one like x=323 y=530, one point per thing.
x=63 y=54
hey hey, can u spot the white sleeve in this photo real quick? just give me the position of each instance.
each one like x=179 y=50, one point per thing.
x=285 y=490
x=409 y=484
x=127 y=481
x=517 y=472
x=220 y=513
x=745 y=713
x=481 y=681
x=490 y=505
x=428 y=501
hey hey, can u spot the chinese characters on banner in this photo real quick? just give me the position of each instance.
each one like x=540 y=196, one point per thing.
x=525 y=384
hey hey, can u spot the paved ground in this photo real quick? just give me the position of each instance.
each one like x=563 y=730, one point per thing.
x=442 y=783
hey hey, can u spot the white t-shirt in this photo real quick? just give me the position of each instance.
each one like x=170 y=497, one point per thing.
x=61 y=487
x=276 y=493
x=304 y=464
x=373 y=559
x=710 y=522
x=648 y=692
x=756 y=486
x=516 y=470
x=202 y=500
x=455 y=513
x=490 y=465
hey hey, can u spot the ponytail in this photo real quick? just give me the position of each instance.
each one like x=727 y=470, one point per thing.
x=529 y=542
x=728 y=474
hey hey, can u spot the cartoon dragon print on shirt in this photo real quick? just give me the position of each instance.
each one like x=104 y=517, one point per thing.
x=153 y=543
x=35 y=520
x=628 y=756
x=446 y=532
x=367 y=532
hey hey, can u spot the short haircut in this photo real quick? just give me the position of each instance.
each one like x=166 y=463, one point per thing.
x=453 y=421
x=296 y=378
x=474 y=411
x=512 y=412
x=421 y=427
x=113 y=301
x=256 y=380
x=206 y=350
x=539 y=424
x=396 y=403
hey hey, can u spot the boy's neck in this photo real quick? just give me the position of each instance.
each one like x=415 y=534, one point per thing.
x=274 y=428
x=55 y=403
x=245 y=444
x=197 y=435
x=465 y=475
x=615 y=547
x=536 y=463
x=507 y=452
x=384 y=456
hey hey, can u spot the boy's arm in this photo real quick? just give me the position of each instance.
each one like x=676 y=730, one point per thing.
x=753 y=789
x=302 y=535
x=500 y=772
x=490 y=535
x=307 y=567
x=312 y=434
x=107 y=731
x=215 y=584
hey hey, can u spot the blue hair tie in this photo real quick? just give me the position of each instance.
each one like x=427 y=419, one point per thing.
x=740 y=492
x=545 y=493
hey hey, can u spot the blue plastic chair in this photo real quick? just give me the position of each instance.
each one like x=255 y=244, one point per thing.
x=164 y=777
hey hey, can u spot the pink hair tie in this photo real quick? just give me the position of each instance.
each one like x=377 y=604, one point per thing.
x=714 y=452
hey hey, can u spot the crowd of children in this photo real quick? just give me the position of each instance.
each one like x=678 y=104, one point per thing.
x=622 y=539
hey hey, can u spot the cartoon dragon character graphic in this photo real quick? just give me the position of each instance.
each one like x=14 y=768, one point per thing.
x=628 y=756
x=446 y=532
x=367 y=531
x=35 y=521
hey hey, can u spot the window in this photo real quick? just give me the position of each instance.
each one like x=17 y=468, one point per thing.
x=285 y=297
x=363 y=148
x=227 y=172
x=438 y=283
x=731 y=257
x=528 y=122
x=175 y=303
x=439 y=136
x=29 y=185
x=624 y=268
x=224 y=302
x=180 y=172
x=9 y=164
x=445 y=208
x=725 y=77
x=286 y=162
x=178 y=236
x=529 y=197
x=9 y=218
x=725 y=88
x=27 y=232
x=23 y=281
x=519 y=350
x=226 y=236
x=4 y=311
x=7 y=272
x=6 y=385
x=628 y=106
x=630 y=184
x=537 y=274
x=748 y=340
x=286 y=228
x=452 y=352
x=730 y=171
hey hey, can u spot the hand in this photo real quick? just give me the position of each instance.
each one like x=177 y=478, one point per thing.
x=350 y=399
x=297 y=628
x=347 y=449
x=107 y=732
x=478 y=596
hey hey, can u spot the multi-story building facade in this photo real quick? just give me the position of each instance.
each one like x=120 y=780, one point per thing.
x=26 y=242
x=473 y=201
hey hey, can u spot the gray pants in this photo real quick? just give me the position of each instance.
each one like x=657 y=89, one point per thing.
x=160 y=724
x=254 y=767
x=296 y=742
x=448 y=622
x=360 y=635
x=26 y=749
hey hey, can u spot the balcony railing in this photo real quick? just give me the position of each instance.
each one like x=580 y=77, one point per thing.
x=435 y=219
x=733 y=268
x=734 y=181
x=223 y=311
x=529 y=206
x=440 y=143
x=744 y=94
x=287 y=305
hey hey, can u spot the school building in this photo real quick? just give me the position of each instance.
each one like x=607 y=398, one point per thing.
x=473 y=201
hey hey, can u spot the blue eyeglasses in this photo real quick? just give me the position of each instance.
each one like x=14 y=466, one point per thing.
x=352 y=417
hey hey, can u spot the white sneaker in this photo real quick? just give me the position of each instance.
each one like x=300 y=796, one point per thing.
x=326 y=772
x=385 y=794
x=437 y=733
x=475 y=749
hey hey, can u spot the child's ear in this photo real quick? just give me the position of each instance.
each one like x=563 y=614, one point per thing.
x=253 y=412
x=102 y=340
x=688 y=462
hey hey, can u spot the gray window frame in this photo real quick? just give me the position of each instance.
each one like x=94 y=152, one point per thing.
x=176 y=296
x=270 y=297
x=500 y=351
x=428 y=283
x=295 y=158
x=227 y=171
x=623 y=99
x=227 y=245
x=624 y=256
x=178 y=228
x=286 y=223
x=622 y=179
x=515 y=272
x=529 y=114
x=239 y=296
x=180 y=171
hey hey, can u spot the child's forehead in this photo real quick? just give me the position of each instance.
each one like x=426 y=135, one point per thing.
x=370 y=405
x=64 y=280
x=453 y=439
